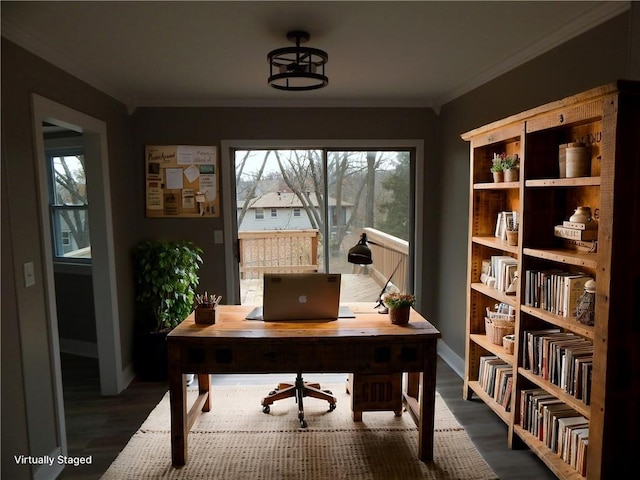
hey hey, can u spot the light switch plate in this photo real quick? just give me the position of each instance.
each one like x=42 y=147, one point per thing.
x=217 y=237
x=29 y=275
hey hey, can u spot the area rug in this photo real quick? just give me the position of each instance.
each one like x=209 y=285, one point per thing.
x=237 y=441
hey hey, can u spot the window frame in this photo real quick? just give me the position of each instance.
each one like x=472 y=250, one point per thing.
x=67 y=149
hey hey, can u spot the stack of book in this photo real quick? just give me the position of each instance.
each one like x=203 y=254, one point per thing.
x=582 y=237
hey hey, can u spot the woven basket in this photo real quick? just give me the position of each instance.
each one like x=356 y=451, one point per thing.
x=496 y=329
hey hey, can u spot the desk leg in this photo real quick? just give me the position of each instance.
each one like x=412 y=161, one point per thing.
x=426 y=422
x=178 y=399
x=204 y=386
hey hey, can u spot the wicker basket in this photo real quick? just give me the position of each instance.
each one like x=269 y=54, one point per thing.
x=508 y=342
x=496 y=329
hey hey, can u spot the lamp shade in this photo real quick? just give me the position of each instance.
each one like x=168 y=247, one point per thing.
x=360 y=254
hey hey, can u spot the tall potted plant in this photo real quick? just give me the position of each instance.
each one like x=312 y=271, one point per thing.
x=166 y=277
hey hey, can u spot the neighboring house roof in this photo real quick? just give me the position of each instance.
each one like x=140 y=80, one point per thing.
x=286 y=200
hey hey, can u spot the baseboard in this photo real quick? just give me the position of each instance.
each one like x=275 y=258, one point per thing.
x=451 y=358
x=128 y=374
x=46 y=472
x=78 y=347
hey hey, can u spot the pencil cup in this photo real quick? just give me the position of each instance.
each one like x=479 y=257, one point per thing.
x=205 y=315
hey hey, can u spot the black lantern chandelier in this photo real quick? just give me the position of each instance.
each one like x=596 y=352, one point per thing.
x=297 y=68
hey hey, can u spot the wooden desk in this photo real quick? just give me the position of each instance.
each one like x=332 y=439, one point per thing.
x=367 y=344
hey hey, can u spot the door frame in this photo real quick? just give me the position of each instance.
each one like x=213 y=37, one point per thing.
x=227 y=172
x=102 y=245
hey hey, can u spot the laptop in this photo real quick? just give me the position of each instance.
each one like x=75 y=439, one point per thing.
x=301 y=296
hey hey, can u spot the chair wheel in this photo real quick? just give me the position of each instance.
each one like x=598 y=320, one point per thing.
x=328 y=391
x=303 y=423
x=332 y=407
x=266 y=409
x=272 y=392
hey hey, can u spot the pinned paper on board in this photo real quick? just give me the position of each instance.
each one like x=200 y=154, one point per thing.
x=181 y=181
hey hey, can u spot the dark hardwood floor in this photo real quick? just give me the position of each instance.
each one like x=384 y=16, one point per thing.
x=101 y=426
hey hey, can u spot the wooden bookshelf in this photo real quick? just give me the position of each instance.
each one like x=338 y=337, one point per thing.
x=607 y=119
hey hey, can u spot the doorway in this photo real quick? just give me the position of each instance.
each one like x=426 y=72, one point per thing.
x=316 y=199
x=46 y=115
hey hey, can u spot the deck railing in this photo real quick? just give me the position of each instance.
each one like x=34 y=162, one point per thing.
x=292 y=251
x=277 y=251
x=388 y=252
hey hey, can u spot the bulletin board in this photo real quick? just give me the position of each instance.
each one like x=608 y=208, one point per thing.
x=181 y=181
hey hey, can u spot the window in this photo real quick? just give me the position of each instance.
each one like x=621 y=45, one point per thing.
x=69 y=206
x=259 y=214
x=296 y=212
x=274 y=213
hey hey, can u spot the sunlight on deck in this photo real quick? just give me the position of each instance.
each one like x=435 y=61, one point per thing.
x=354 y=288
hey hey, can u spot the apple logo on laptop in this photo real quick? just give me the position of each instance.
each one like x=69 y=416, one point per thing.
x=302 y=299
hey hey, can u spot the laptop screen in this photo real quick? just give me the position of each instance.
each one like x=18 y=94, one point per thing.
x=299 y=296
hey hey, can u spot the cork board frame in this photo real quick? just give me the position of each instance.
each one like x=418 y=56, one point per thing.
x=181 y=181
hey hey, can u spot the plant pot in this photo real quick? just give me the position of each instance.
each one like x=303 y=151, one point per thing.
x=399 y=316
x=511 y=175
x=498 y=177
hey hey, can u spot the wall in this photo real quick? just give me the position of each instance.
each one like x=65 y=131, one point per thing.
x=28 y=388
x=594 y=58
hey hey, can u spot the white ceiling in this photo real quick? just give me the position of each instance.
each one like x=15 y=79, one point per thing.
x=418 y=53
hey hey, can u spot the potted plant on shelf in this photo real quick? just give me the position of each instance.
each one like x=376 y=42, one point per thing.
x=399 y=305
x=510 y=166
x=166 y=276
x=497 y=169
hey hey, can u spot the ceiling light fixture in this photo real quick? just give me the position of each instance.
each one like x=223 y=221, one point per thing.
x=297 y=68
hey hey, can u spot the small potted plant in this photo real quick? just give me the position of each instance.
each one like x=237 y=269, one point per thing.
x=399 y=305
x=510 y=166
x=497 y=169
x=166 y=274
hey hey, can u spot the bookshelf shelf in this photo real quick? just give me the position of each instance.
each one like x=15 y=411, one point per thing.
x=494 y=293
x=567 y=323
x=493 y=242
x=568 y=257
x=496 y=186
x=498 y=350
x=486 y=398
x=568 y=353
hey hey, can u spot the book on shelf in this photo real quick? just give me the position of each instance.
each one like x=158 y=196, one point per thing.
x=565 y=425
x=571 y=354
x=550 y=414
x=580 y=245
x=558 y=420
x=587 y=371
x=578 y=375
x=580 y=226
x=506 y=397
x=506 y=221
x=574 y=233
x=525 y=405
x=530 y=350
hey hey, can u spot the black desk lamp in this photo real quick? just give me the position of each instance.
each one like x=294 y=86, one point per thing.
x=360 y=254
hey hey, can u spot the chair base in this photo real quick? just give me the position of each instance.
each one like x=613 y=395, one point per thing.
x=299 y=390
